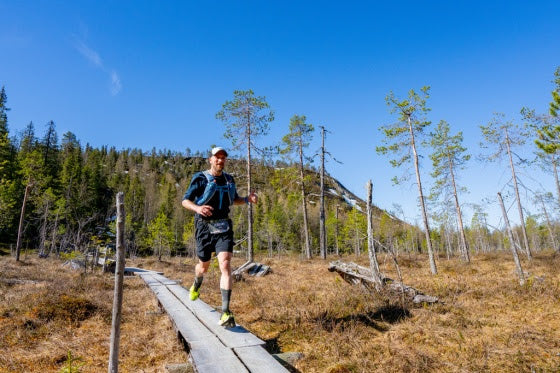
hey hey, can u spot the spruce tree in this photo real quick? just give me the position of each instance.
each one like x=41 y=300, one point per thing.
x=9 y=190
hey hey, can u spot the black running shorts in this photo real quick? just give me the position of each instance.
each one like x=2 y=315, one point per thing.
x=207 y=243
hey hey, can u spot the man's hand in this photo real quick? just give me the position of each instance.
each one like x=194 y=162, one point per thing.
x=205 y=210
x=253 y=198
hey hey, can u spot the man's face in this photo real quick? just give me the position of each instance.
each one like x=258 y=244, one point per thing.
x=218 y=161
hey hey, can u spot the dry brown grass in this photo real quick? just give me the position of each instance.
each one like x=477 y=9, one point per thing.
x=63 y=310
x=486 y=323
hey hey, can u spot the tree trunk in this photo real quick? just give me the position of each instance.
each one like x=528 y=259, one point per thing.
x=516 y=188
x=448 y=249
x=43 y=231
x=373 y=264
x=431 y=258
x=53 y=240
x=20 y=227
x=250 y=256
x=307 y=246
x=555 y=170
x=464 y=246
x=549 y=226
x=512 y=242
x=356 y=239
x=322 y=230
x=336 y=232
x=269 y=239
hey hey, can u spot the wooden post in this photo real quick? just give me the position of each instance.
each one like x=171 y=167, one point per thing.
x=374 y=266
x=512 y=242
x=117 y=300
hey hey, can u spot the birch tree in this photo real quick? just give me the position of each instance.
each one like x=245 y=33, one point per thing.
x=246 y=117
x=160 y=236
x=503 y=136
x=400 y=140
x=448 y=155
x=295 y=141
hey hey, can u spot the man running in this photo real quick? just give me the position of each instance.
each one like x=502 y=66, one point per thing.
x=210 y=195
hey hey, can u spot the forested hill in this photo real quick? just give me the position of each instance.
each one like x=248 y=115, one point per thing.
x=71 y=195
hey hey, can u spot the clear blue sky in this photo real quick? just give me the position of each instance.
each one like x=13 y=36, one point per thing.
x=145 y=74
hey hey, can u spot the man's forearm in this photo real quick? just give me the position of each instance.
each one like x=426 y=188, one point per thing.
x=190 y=205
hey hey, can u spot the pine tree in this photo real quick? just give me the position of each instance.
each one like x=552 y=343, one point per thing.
x=297 y=139
x=400 y=139
x=502 y=135
x=246 y=117
x=548 y=157
x=449 y=155
x=547 y=130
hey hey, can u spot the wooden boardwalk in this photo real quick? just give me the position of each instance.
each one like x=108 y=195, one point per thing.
x=212 y=348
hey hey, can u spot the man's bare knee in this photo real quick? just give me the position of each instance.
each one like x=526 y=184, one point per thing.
x=225 y=262
x=225 y=265
x=202 y=267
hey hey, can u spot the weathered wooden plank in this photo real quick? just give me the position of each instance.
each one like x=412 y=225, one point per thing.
x=212 y=348
x=258 y=360
x=207 y=352
x=138 y=271
x=212 y=357
x=149 y=278
x=232 y=337
x=164 y=280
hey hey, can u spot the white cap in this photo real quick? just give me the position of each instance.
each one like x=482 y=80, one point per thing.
x=218 y=149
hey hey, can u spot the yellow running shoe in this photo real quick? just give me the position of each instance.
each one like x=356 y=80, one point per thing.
x=227 y=320
x=194 y=293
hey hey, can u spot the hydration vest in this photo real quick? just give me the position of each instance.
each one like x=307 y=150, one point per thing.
x=212 y=187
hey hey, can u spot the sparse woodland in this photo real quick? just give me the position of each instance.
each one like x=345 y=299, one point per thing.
x=57 y=200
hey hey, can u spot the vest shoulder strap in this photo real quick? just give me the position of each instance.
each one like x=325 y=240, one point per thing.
x=211 y=177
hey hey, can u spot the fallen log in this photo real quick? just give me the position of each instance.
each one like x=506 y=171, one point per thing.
x=252 y=269
x=356 y=274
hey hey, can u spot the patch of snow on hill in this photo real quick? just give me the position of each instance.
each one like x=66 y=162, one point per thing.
x=333 y=191
x=352 y=202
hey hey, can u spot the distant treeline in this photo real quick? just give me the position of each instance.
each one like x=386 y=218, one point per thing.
x=70 y=191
